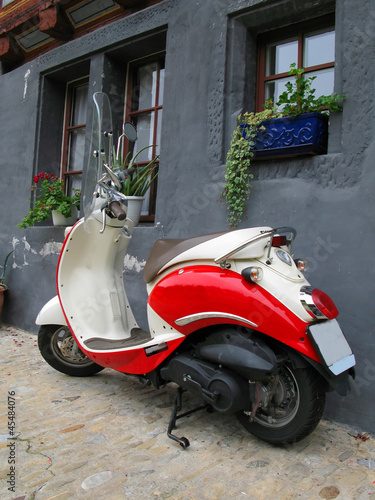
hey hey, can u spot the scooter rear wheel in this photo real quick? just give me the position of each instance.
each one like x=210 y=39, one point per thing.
x=58 y=347
x=294 y=411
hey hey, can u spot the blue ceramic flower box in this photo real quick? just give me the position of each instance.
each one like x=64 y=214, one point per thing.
x=291 y=136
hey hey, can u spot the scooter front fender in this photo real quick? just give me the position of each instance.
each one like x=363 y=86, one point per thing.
x=51 y=314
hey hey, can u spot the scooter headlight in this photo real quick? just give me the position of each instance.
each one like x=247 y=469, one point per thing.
x=253 y=274
x=284 y=256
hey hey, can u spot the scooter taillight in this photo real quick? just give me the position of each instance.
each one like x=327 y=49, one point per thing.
x=279 y=241
x=317 y=303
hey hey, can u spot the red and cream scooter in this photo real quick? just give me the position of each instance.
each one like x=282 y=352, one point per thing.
x=231 y=316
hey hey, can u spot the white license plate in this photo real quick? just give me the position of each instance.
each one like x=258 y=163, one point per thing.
x=332 y=346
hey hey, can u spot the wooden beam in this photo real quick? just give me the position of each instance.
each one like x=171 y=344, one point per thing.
x=54 y=22
x=131 y=4
x=9 y=50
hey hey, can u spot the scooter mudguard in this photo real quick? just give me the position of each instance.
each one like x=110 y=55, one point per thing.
x=51 y=314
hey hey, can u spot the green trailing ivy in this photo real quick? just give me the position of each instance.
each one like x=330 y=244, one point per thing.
x=237 y=176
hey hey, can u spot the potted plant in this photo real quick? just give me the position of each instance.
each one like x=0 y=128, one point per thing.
x=3 y=286
x=137 y=181
x=296 y=124
x=50 y=199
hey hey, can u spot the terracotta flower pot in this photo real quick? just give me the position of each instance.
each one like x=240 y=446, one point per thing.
x=3 y=289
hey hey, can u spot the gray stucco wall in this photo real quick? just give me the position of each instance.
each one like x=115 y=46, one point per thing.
x=210 y=78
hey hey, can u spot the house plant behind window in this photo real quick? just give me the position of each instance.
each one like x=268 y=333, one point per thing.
x=137 y=181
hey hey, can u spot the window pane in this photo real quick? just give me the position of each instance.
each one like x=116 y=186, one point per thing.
x=145 y=130
x=76 y=149
x=146 y=203
x=73 y=182
x=275 y=88
x=323 y=84
x=158 y=131
x=280 y=56
x=319 y=48
x=79 y=105
x=146 y=113
x=144 y=91
x=161 y=87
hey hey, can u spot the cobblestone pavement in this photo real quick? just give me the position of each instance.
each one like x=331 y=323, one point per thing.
x=104 y=437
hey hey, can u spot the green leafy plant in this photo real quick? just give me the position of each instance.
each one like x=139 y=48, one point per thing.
x=138 y=179
x=50 y=195
x=298 y=98
x=2 y=276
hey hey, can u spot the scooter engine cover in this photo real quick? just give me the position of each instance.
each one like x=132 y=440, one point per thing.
x=224 y=391
x=250 y=358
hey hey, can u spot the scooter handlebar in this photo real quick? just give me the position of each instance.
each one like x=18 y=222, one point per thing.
x=117 y=210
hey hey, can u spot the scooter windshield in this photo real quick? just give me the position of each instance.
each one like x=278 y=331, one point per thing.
x=101 y=149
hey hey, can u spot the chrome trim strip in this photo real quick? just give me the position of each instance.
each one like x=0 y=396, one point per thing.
x=186 y=320
x=308 y=303
x=342 y=365
x=221 y=260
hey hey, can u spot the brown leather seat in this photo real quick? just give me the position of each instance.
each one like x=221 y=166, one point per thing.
x=164 y=251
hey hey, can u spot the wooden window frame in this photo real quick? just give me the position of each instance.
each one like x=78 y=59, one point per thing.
x=130 y=115
x=67 y=174
x=296 y=32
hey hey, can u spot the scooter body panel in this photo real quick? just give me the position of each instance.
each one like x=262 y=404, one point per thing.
x=90 y=285
x=135 y=361
x=206 y=295
x=51 y=313
x=95 y=307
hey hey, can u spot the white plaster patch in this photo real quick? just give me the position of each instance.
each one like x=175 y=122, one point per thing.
x=15 y=242
x=52 y=247
x=133 y=264
x=27 y=246
x=26 y=77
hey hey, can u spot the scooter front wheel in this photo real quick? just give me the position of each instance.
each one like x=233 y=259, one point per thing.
x=294 y=411
x=60 y=350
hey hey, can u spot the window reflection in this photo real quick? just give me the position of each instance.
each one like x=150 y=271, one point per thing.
x=319 y=48
x=281 y=56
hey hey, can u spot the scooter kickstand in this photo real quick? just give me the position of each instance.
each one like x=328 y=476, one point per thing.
x=177 y=404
